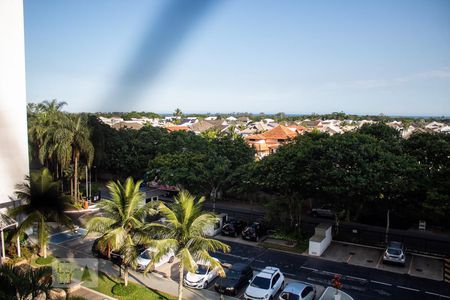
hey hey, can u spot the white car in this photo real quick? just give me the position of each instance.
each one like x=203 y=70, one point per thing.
x=202 y=277
x=265 y=285
x=145 y=258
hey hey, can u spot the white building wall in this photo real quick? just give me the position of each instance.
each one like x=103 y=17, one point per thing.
x=13 y=118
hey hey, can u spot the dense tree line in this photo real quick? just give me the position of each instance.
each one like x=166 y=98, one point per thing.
x=361 y=174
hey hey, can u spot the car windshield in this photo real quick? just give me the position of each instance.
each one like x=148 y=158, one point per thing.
x=393 y=251
x=232 y=274
x=260 y=282
x=146 y=254
x=289 y=296
x=201 y=270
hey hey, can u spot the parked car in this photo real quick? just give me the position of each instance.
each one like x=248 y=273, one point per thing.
x=236 y=277
x=395 y=253
x=202 y=276
x=253 y=232
x=325 y=211
x=114 y=256
x=298 y=291
x=145 y=258
x=265 y=285
x=233 y=228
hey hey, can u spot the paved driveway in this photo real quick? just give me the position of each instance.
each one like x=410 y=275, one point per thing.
x=371 y=257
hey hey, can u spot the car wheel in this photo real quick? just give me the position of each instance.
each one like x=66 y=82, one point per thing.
x=171 y=259
x=206 y=284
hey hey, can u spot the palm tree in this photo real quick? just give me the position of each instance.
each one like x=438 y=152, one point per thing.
x=122 y=221
x=70 y=140
x=184 y=233
x=24 y=282
x=177 y=112
x=42 y=201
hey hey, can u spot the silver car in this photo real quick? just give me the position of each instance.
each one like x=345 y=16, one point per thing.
x=395 y=253
x=298 y=291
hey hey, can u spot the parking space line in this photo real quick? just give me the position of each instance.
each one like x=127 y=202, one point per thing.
x=438 y=295
x=407 y=288
x=349 y=257
x=410 y=265
x=379 y=282
x=379 y=261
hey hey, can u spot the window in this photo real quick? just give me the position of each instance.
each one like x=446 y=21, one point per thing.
x=275 y=279
x=306 y=291
x=261 y=282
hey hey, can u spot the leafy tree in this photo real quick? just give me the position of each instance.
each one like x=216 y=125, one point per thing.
x=432 y=152
x=206 y=170
x=42 y=201
x=184 y=233
x=122 y=222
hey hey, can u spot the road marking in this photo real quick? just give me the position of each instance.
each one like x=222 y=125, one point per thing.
x=328 y=273
x=356 y=278
x=439 y=295
x=383 y=283
x=307 y=268
x=407 y=288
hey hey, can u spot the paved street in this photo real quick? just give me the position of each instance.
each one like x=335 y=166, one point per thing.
x=360 y=282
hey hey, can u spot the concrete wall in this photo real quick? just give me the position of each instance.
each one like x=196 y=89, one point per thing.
x=13 y=118
x=320 y=241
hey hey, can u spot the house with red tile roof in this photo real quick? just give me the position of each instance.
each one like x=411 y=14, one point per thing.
x=269 y=141
x=177 y=128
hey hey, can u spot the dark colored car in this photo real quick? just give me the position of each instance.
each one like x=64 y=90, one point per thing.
x=236 y=278
x=115 y=256
x=253 y=232
x=233 y=228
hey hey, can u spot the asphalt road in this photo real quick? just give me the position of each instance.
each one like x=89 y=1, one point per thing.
x=360 y=282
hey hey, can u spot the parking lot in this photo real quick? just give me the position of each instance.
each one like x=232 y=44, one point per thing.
x=171 y=271
x=371 y=257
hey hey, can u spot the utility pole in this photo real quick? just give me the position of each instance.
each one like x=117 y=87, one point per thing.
x=387 y=225
x=87 y=184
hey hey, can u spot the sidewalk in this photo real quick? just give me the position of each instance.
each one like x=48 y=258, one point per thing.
x=159 y=283
x=152 y=280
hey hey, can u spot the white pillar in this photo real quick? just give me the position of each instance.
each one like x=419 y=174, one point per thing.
x=18 y=245
x=13 y=114
x=3 y=245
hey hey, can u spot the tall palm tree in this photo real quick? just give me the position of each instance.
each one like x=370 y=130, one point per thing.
x=122 y=221
x=24 y=282
x=184 y=233
x=42 y=201
x=70 y=140
x=177 y=112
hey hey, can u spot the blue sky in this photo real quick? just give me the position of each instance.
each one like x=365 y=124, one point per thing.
x=363 y=57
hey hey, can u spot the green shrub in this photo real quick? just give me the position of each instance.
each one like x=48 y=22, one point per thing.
x=44 y=260
x=76 y=298
x=122 y=290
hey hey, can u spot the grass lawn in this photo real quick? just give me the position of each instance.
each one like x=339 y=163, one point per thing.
x=301 y=247
x=106 y=283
